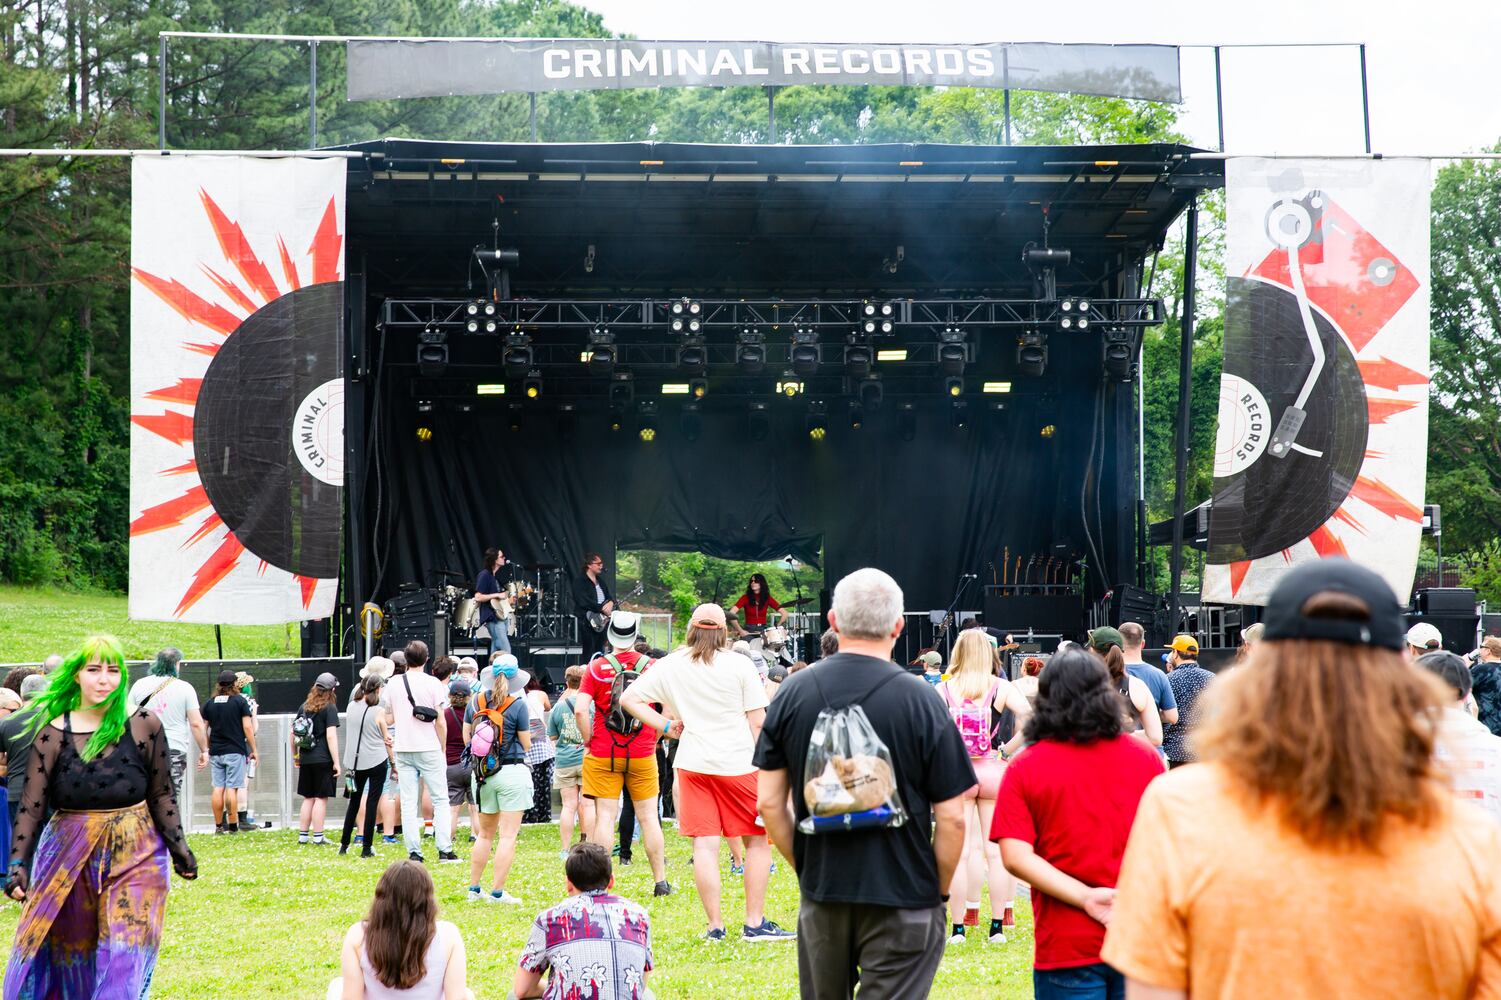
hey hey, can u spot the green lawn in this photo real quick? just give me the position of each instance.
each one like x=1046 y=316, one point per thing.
x=35 y=622
x=266 y=918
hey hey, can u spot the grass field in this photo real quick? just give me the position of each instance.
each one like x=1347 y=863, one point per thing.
x=266 y=918
x=35 y=622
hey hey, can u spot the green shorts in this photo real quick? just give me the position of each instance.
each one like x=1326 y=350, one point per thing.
x=507 y=790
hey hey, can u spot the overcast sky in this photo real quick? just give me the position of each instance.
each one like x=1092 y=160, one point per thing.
x=1432 y=65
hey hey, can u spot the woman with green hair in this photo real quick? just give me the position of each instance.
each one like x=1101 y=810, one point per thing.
x=96 y=891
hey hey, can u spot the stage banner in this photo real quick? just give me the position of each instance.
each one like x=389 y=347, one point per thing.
x=1323 y=414
x=236 y=388
x=386 y=68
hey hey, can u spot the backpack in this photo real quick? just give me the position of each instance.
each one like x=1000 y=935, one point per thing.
x=304 y=731
x=973 y=719
x=849 y=778
x=617 y=719
x=485 y=747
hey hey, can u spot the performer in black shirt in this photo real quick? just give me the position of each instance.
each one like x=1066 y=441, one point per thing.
x=487 y=588
x=593 y=604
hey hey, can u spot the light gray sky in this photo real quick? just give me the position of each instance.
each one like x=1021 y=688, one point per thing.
x=1432 y=64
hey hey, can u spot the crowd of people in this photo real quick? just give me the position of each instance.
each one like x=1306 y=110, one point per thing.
x=1264 y=828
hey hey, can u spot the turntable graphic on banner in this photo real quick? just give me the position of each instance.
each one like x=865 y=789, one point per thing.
x=256 y=538
x=1322 y=439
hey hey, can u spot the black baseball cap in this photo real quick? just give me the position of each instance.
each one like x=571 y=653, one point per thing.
x=228 y=677
x=1284 y=611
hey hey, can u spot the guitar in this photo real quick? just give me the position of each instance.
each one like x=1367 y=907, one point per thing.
x=599 y=622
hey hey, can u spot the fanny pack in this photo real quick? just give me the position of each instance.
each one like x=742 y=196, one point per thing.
x=422 y=713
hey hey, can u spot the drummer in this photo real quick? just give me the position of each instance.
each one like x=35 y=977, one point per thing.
x=757 y=603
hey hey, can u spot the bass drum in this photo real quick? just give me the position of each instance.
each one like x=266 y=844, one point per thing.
x=466 y=616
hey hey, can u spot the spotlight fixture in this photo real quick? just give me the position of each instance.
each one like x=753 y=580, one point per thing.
x=870 y=393
x=692 y=421
x=758 y=421
x=531 y=386
x=907 y=420
x=1032 y=352
x=951 y=351
x=1119 y=353
x=953 y=386
x=1048 y=430
x=857 y=360
x=517 y=356
x=425 y=406
x=805 y=351
x=602 y=352
x=424 y=434
x=622 y=389
x=686 y=315
x=817 y=420
x=1074 y=314
x=750 y=350
x=693 y=356
x=432 y=352
x=959 y=415
x=789 y=386
x=878 y=317
x=646 y=418
x=698 y=388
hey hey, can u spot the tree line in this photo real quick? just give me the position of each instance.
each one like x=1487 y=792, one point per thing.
x=84 y=73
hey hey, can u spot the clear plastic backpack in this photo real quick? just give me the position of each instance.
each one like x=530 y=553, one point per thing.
x=849 y=781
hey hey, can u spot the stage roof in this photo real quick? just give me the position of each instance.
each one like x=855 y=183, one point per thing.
x=761 y=220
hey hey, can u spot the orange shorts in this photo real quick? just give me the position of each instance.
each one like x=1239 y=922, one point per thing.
x=717 y=805
x=636 y=775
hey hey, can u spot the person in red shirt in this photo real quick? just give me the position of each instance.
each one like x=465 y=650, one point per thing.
x=756 y=603
x=1065 y=810
x=616 y=762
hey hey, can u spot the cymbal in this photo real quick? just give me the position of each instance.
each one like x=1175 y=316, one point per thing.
x=797 y=603
x=539 y=567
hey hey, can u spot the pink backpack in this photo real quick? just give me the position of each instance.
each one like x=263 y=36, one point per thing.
x=973 y=719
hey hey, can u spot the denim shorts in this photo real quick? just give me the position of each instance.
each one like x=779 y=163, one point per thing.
x=227 y=770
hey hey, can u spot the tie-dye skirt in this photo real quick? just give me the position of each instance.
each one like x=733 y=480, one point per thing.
x=93 y=917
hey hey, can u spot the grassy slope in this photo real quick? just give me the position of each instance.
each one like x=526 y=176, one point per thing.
x=36 y=622
x=266 y=918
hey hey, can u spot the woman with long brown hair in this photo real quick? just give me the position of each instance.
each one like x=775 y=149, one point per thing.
x=315 y=752
x=401 y=950
x=1315 y=851
x=1138 y=707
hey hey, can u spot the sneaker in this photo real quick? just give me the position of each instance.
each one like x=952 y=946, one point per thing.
x=625 y=859
x=218 y=828
x=714 y=934
x=367 y=853
x=232 y=828
x=662 y=889
x=358 y=839
x=736 y=869
x=768 y=931
x=387 y=840
x=510 y=899
x=448 y=858
x=998 y=938
x=414 y=856
x=475 y=894
x=957 y=937
x=971 y=914
x=343 y=848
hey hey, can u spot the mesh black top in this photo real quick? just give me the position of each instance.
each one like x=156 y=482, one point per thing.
x=133 y=771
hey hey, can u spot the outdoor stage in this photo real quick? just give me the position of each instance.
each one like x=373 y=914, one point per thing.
x=780 y=248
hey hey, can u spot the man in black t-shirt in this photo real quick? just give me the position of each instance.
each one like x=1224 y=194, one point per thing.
x=231 y=747
x=872 y=908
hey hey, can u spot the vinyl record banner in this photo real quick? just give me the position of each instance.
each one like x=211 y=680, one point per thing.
x=1322 y=440
x=236 y=388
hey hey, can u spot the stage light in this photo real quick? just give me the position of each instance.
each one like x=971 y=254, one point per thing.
x=698 y=388
x=857 y=416
x=1032 y=352
x=686 y=315
x=622 y=389
x=895 y=354
x=959 y=415
x=750 y=350
x=601 y=356
x=514 y=416
x=567 y=421
x=490 y=389
x=646 y=418
x=994 y=387
x=1048 y=430
x=674 y=388
x=617 y=417
x=490 y=326
x=953 y=386
x=432 y=360
x=951 y=351
x=424 y=434
x=531 y=386
x=878 y=317
x=693 y=356
x=692 y=421
x=789 y=386
x=473 y=308
x=489 y=308
x=804 y=351
x=817 y=420
x=857 y=360
x=870 y=393
x=1119 y=353
x=758 y=422
x=907 y=420
x=517 y=356
x=425 y=406
x=1075 y=314
x=472 y=326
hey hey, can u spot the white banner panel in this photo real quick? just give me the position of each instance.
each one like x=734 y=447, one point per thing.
x=236 y=388
x=1322 y=441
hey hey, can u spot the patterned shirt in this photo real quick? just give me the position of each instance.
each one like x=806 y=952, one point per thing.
x=1187 y=681
x=1472 y=756
x=597 y=945
x=1486 y=690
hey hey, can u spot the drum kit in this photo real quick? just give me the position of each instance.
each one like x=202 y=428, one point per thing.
x=793 y=638
x=533 y=605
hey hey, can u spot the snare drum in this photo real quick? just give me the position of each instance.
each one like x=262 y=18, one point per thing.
x=775 y=638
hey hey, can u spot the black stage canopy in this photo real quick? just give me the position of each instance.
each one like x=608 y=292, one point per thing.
x=778 y=246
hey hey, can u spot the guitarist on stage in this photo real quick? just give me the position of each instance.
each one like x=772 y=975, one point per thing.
x=487 y=588
x=591 y=596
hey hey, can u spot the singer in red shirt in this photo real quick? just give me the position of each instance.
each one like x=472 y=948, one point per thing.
x=756 y=602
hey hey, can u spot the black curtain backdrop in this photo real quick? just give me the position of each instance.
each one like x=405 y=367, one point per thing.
x=926 y=510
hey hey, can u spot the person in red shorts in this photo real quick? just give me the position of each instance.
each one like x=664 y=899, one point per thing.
x=616 y=761
x=719 y=703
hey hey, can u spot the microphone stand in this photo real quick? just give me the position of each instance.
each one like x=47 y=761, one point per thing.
x=948 y=615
